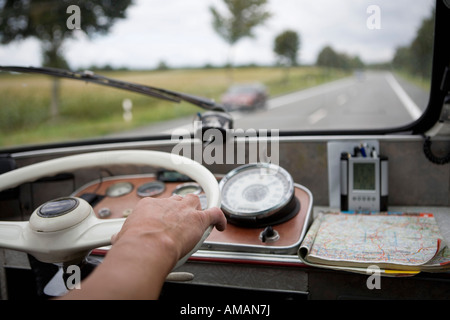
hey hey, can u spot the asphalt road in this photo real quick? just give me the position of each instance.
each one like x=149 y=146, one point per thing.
x=375 y=99
x=369 y=100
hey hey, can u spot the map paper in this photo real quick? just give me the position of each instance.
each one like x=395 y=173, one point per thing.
x=389 y=240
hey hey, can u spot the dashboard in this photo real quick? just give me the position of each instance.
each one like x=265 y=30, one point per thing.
x=259 y=259
x=267 y=212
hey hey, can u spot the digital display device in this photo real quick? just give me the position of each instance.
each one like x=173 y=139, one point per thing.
x=364 y=176
x=364 y=183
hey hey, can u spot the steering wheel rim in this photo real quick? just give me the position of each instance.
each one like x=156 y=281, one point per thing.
x=75 y=240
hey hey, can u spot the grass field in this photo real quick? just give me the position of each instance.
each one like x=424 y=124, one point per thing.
x=89 y=110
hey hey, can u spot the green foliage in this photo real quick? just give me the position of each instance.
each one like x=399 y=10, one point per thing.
x=46 y=21
x=242 y=18
x=416 y=58
x=287 y=45
x=24 y=112
x=332 y=59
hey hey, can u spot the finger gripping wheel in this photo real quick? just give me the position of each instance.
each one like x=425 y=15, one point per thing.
x=66 y=229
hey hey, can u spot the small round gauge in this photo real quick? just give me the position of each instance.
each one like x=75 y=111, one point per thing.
x=257 y=195
x=119 y=189
x=151 y=189
x=186 y=188
x=203 y=201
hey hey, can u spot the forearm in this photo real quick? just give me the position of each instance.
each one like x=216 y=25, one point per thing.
x=129 y=271
x=153 y=238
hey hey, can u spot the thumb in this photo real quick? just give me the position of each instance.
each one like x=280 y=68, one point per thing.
x=216 y=218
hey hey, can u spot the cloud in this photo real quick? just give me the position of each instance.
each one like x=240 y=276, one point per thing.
x=180 y=33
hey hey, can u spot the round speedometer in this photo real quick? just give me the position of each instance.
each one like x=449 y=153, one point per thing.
x=151 y=189
x=119 y=189
x=257 y=195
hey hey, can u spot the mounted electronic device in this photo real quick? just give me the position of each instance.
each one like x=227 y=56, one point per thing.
x=364 y=181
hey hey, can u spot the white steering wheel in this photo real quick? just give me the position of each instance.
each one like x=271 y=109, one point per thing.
x=67 y=229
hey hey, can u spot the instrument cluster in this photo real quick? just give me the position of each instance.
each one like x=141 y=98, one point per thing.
x=265 y=209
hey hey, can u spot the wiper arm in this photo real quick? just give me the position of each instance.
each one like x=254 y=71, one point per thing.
x=90 y=76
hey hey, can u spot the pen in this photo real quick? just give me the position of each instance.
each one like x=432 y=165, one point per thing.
x=374 y=153
x=363 y=150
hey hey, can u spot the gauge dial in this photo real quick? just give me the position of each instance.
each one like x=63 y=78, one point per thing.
x=151 y=189
x=203 y=201
x=119 y=189
x=186 y=188
x=258 y=193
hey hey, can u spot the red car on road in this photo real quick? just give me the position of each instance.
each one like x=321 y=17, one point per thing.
x=245 y=97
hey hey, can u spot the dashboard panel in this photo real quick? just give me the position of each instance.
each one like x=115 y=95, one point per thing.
x=237 y=258
x=115 y=197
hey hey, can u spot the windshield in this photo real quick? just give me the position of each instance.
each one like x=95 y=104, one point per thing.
x=313 y=65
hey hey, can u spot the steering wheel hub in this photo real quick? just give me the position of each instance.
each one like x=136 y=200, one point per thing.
x=58 y=207
x=59 y=214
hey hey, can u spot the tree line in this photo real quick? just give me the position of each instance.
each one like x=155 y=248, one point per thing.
x=330 y=58
x=416 y=57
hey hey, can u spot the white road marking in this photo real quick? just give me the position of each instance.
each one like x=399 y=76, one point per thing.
x=317 y=116
x=407 y=102
x=181 y=129
x=309 y=93
x=294 y=97
x=342 y=99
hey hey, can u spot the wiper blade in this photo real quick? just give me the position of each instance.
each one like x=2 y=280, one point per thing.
x=90 y=76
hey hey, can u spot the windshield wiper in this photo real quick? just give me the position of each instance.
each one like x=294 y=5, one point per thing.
x=90 y=76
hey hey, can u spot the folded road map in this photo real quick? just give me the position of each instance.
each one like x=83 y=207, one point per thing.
x=397 y=243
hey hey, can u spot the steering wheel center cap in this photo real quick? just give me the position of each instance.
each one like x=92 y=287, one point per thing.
x=59 y=214
x=57 y=207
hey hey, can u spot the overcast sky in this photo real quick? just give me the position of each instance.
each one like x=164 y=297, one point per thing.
x=180 y=33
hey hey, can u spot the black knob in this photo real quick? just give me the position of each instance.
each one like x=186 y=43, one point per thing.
x=268 y=233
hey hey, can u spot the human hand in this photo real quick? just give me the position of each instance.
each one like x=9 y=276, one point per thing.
x=177 y=223
x=151 y=241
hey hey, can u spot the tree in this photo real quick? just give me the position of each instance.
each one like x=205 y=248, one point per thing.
x=328 y=58
x=402 y=58
x=242 y=17
x=417 y=57
x=331 y=59
x=287 y=45
x=48 y=21
x=422 y=48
